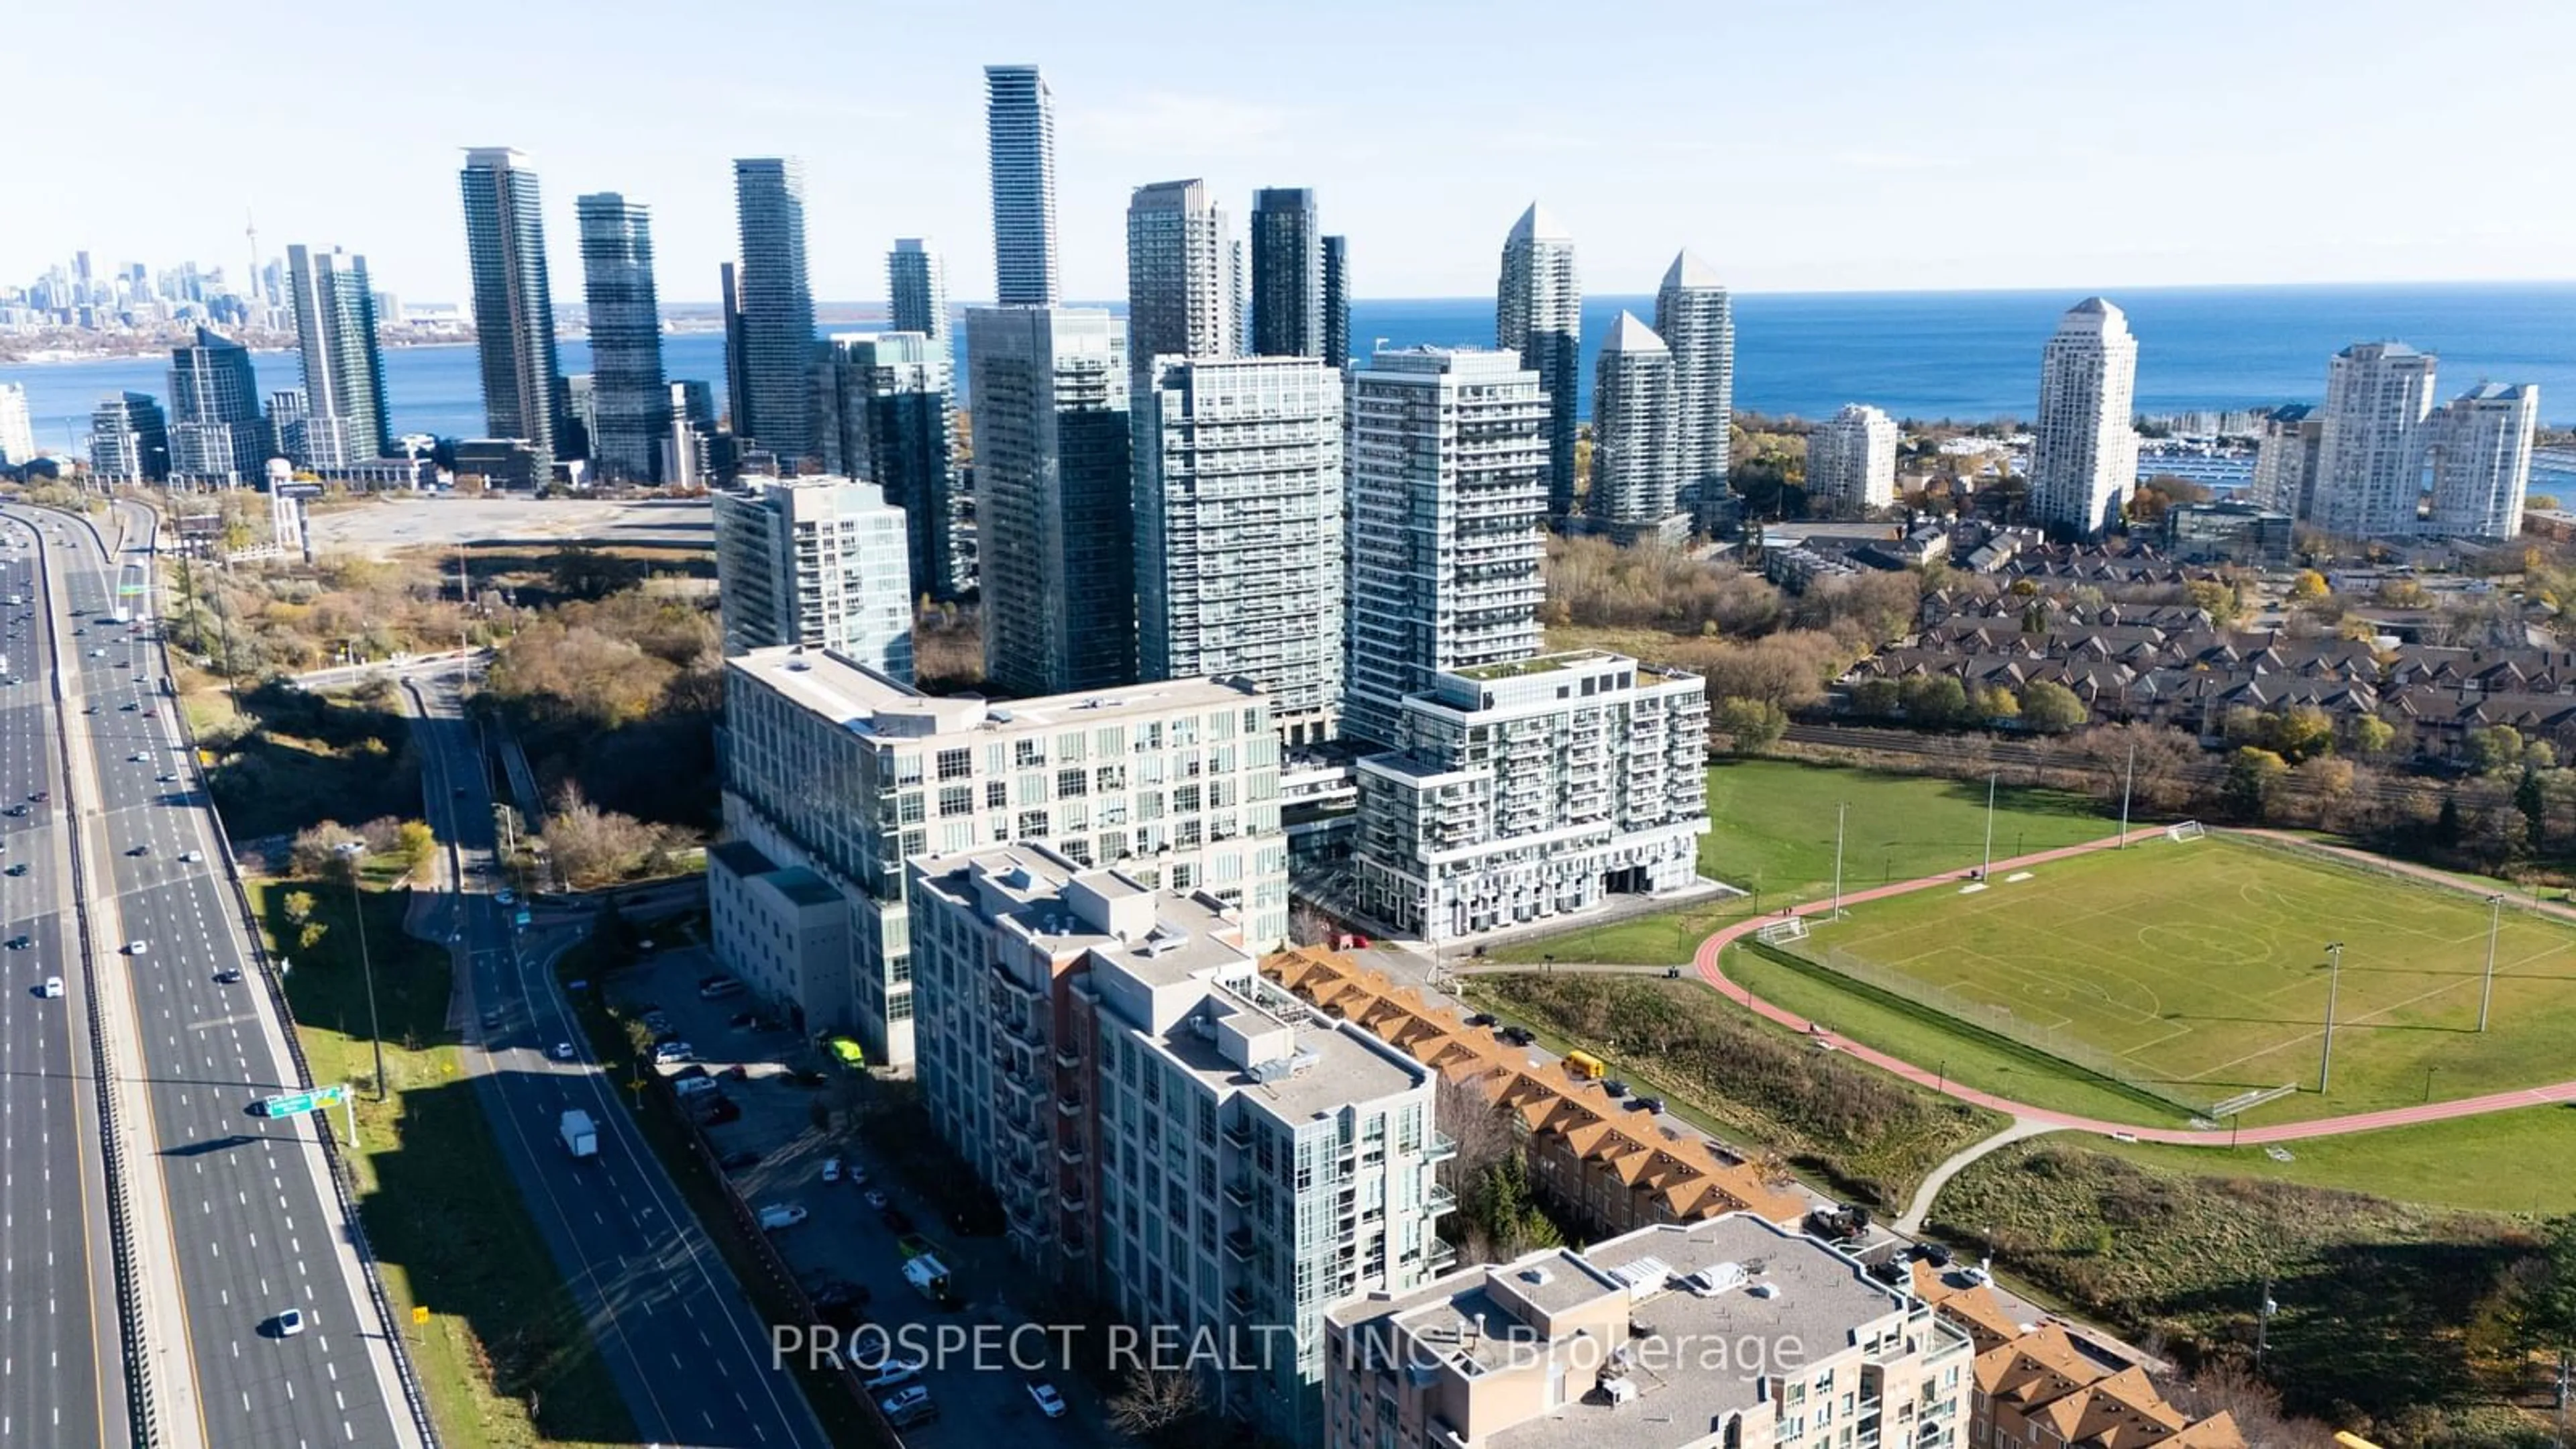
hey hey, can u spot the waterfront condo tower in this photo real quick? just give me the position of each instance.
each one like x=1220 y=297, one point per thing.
x=1020 y=123
x=1696 y=318
x=514 y=311
x=2370 y=459
x=345 y=421
x=2084 y=451
x=1287 y=276
x=775 y=310
x=1179 y=291
x=1634 y=482
x=917 y=283
x=1538 y=313
x=630 y=400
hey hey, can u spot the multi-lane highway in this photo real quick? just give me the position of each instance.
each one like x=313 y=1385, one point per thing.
x=253 y=1224
x=61 y=1362
x=690 y=1357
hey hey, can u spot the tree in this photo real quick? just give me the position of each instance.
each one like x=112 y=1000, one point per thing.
x=317 y=848
x=2372 y=735
x=1161 y=1407
x=2051 y=707
x=2215 y=598
x=2495 y=748
x=2541 y=1301
x=2298 y=732
x=1874 y=698
x=1751 y=725
x=2533 y=802
x=299 y=906
x=417 y=843
x=1933 y=699
x=1994 y=702
x=2253 y=774
x=589 y=845
x=2308 y=585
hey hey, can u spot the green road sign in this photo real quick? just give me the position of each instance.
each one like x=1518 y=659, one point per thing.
x=295 y=1104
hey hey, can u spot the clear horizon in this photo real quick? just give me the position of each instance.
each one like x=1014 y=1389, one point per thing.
x=1997 y=145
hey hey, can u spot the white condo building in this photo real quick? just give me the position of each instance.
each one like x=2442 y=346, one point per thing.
x=1019 y=122
x=1538 y=313
x=2084 y=450
x=1165 y=1127
x=1447 y=456
x=835 y=769
x=1851 y=459
x=819 y=562
x=1239 y=500
x=2478 y=455
x=2285 y=460
x=17 y=433
x=1533 y=788
x=1634 y=480
x=1181 y=299
x=2370 y=450
x=1696 y=319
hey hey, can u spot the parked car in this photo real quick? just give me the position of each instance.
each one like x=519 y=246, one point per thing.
x=777 y=1215
x=831 y=1169
x=895 y=1370
x=1049 y=1402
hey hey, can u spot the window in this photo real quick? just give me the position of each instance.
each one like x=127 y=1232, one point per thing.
x=908 y=807
x=997 y=794
x=1027 y=754
x=956 y=799
x=1185 y=799
x=956 y=764
x=1071 y=782
x=1033 y=824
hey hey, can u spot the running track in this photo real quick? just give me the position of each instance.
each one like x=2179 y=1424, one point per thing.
x=1711 y=953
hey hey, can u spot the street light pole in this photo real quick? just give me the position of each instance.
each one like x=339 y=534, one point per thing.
x=2334 y=981
x=2486 y=989
x=1839 y=808
x=366 y=962
x=2128 y=783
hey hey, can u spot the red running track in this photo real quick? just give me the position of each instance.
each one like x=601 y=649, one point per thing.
x=1711 y=952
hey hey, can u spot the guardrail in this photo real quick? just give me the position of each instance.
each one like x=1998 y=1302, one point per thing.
x=142 y=1421
x=404 y=1372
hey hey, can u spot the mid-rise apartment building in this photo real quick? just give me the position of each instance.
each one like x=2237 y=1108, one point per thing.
x=1239 y=566
x=1164 y=1126
x=815 y=561
x=1533 y=788
x=2084 y=446
x=845 y=772
x=129 y=440
x=1851 y=459
x=1447 y=455
x=217 y=432
x=1731 y=1333
x=2477 y=454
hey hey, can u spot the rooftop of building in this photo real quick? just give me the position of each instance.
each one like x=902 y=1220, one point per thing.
x=804 y=887
x=1733 y=1280
x=842 y=689
x=740 y=857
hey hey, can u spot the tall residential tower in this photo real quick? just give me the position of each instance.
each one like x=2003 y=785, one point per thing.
x=917 y=281
x=2084 y=451
x=776 y=306
x=514 y=311
x=1287 y=276
x=345 y=420
x=630 y=401
x=1538 y=313
x=2478 y=455
x=1020 y=122
x=817 y=562
x=1696 y=319
x=2370 y=460
x=1178 y=275
x=1337 y=301
x=1634 y=481
x=217 y=432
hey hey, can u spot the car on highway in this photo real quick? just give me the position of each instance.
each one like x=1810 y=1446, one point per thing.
x=130 y=707
x=52 y=988
x=1049 y=1402
x=136 y=948
x=41 y=796
x=491 y=1018
x=193 y=857
x=16 y=869
x=21 y=943
x=164 y=778
x=144 y=849
x=563 y=1051
x=290 y=1323
x=228 y=977
x=18 y=812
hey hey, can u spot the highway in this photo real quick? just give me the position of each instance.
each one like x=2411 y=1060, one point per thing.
x=254 y=1225
x=690 y=1357
x=61 y=1360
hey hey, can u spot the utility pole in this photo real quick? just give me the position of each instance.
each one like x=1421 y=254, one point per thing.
x=351 y=854
x=1988 y=868
x=1839 y=807
x=2334 y=981
x=2486 y=990
x=2263 y=1323
x=2128 y=782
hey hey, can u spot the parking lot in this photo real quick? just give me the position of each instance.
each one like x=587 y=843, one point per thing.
x=790 y=1105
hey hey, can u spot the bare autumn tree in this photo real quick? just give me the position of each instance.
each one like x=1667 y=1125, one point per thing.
x=2233 y=1389
x=1161 y=1407
x=1480 y=1125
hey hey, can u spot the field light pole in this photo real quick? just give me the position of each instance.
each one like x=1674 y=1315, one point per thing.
x=2486 y=991
x=1839 y=808
x=1988 y=868
x=2334 y=980
x=2128 y=783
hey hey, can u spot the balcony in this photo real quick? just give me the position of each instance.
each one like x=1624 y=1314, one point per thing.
x=1238 y=1191
x=1238 y=1243
x=1443 y=1147
x=1023 y=1031
x=1072 y=1199
x=1238 y=1135
x=1067 y=1059
x=1239 y=1298
x=1070 y=1154
x=1443 y=1253
x=1439 y=1201
x=1068 y=1106
x=1075 y=1245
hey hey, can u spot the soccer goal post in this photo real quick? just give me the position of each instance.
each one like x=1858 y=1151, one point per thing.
x=1791 y=928
x=2184 y=830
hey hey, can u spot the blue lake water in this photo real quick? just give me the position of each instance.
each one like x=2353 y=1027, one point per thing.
x=1963 y=355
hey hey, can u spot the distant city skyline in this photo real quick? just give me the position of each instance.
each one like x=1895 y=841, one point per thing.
x=1880 y=188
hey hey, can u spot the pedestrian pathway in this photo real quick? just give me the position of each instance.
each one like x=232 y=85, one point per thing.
x=1708 y=962
x=1930 y=1188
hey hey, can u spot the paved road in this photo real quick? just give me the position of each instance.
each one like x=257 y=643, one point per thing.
x=1709 y=963
x=689 y=1355
x=254 y=1223
x=61 y=1361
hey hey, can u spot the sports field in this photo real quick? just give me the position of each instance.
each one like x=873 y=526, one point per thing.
x=2201 y=967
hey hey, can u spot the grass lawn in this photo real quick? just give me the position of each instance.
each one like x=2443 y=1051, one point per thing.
x=2479 y=1163
x=1772 y=834
x=2202 y=967
x=446 y=1223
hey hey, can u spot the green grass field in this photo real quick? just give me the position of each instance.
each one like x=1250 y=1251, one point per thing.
x=2479 y=1163
x=1772 y=835
x=2202 y=966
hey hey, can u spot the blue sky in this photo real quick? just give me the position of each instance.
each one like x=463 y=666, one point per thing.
x=1820 y=146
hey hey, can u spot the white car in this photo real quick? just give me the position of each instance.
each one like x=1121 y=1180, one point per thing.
x=193 y=857
x=563 y=1051
x=290 y=1323
x=779 y=1215
x=898 y=1369
x=52 y=988
x=831 y=1169
x=136 y=948
x=1049 y=1402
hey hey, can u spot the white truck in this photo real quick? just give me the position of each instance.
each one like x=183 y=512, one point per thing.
x=580 y=1137
x=929 y=1277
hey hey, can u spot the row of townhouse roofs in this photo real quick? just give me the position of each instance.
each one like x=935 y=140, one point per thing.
x=2172 y=667
x=1565 y=1346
